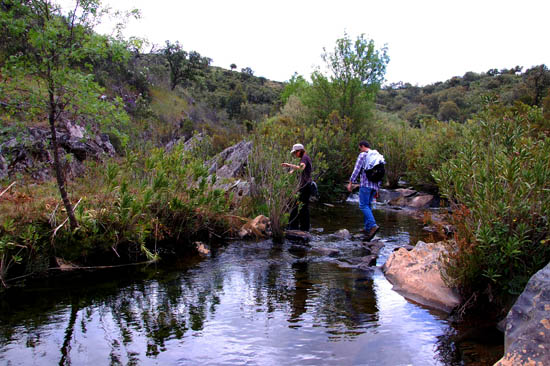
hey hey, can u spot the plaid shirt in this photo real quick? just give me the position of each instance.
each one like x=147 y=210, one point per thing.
x=364 y=182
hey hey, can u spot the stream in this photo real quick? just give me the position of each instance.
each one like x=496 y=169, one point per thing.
x=248 y=303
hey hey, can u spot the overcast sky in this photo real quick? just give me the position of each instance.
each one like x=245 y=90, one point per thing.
x=427 y=40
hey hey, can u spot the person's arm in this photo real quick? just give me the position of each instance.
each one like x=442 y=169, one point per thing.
x=356 y=170
x=300 y=167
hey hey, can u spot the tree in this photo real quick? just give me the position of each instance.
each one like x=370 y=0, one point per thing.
x=233 y=66
x=46 y=78
x=357 y=69
x=184 y=67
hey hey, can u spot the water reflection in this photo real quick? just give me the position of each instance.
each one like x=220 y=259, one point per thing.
x=251 y=303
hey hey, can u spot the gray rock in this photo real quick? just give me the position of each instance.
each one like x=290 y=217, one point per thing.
x=3 y=168
x=328 y=252
x=189 y=145
x=231 y=162
x=342 y=234
x=30 y=152
x=527 y=337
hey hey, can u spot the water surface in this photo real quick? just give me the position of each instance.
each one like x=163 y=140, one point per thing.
x=249 y=303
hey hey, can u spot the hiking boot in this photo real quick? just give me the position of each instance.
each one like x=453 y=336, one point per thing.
x=372 y=232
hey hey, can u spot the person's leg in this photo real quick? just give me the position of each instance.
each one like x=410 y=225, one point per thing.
x=366 y=196
x=293 y=219
x=305 y=193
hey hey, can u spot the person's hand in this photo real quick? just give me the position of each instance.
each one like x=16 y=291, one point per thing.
x=349 y=187
x=286 y=165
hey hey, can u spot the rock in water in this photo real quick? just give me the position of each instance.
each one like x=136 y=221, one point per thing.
x=527 y=340
x=258 y=228
x=416 y=274
x=298 y=236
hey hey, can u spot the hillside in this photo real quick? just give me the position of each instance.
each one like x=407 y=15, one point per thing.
x=460 y=97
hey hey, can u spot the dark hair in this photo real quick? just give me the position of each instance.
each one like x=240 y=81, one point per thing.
x=364 y=143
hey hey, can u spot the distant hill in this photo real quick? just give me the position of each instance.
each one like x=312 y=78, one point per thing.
x=460 y=97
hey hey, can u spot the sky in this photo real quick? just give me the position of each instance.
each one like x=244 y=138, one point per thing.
x=428 y=41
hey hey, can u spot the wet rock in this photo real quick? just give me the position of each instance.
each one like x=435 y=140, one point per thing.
x=373 y=246
x=317 y=230
x=342 y=234
x=299 y=248
x=416 y=274
x=201 y=248
x=527 y=336
x=327 y=252
x=259 y=227
x=369 y=261
x=298 y=236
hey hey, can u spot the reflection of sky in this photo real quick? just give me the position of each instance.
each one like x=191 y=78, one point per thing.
x=252 y=305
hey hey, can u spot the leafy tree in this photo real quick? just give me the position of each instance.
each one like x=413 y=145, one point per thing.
x=448 y=110
x=233 y=66
x=184 y=66
x=538 y=79
x=247 y=71
x=357 y=69
x=43 y=75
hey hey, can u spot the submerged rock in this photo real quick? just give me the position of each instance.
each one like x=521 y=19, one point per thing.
x=298 y=236
x=416 y=274
x=527 y=336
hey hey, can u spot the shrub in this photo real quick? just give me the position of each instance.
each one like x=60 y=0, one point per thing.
x=498 y=184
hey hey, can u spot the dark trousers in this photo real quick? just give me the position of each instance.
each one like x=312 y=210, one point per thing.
x=299 y=216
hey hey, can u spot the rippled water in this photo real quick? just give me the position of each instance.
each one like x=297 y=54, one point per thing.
x=250 y=303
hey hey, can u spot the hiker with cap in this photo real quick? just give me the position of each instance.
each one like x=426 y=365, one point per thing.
x=368 y=188
x=299 y=216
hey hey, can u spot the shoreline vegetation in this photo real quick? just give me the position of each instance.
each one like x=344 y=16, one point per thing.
x=480 y=141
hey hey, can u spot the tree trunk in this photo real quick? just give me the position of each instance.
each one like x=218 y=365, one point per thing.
x=57 y=166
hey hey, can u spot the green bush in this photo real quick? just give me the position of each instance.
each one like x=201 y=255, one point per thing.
x=498 y=184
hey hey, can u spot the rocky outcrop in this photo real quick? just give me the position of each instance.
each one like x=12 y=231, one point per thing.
x=231 y=162
x=230 y=168
x=403 y=197
x=416 y=274
x=527 y=335
x=3 y=168
x=30 y=151
x=191 y=144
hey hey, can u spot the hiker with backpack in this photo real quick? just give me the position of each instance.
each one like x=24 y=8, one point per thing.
x=369 y=167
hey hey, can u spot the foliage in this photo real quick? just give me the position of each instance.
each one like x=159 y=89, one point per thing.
x=357 y=69
x=53 y=48
x=276 y=189
x=184 y=67
x=147 y=203
x=435 y=142
x=498 y=182
x=469 y=94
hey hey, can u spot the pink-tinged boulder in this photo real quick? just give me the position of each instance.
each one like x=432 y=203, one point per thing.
x=527 y=335
x=259 y=227
x=416 y=275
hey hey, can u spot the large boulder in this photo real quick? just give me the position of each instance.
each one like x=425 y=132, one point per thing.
x=527 y=337
x=412 y=199
x=231 y=162
x=416 y=274
x=259 y=227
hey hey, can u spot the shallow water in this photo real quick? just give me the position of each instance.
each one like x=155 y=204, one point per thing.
x=249 y=303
